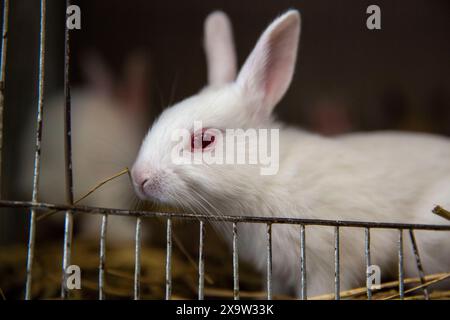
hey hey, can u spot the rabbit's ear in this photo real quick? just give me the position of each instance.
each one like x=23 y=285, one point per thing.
x=134 y=87
x=268 y=70
x=219 y=49
x=98 y=76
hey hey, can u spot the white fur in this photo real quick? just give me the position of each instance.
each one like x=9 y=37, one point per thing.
x=390 y=177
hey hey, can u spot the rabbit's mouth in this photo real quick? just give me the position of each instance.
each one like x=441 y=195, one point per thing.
x=151 y=189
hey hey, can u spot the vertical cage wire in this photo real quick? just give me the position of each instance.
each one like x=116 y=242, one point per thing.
x=2 y=82
x=68 y=117
x=337 y=276
x=169 y=260
x=401 y=288
x=303 y=295
x=201 y=262
x=368 y=263
x=137 y=260
x=235 y=263
x=37 y=154
x=269 y=261
x=101 y=267
x=68 y=230
x=68 y=235
x=418 y=263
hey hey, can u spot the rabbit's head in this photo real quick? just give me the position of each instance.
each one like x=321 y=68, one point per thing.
x=125 y=97
x=193 y=126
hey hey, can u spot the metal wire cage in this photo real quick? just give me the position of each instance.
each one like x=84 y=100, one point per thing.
x=69 y=208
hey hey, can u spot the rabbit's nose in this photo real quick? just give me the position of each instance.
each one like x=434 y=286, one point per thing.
x=145 y=183
x=140 y=178
x=137 y=177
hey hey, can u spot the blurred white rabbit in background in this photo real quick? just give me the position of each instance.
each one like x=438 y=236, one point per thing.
x=108 y=124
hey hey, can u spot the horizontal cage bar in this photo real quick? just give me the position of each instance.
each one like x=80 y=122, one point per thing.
x=225 y=218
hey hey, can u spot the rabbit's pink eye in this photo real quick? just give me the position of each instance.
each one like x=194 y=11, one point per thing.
x=202 y=140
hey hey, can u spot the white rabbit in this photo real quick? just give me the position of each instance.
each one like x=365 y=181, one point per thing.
x=108 y=124
x=390 y=177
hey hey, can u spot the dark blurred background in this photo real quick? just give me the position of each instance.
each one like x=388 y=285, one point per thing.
x=347 y=78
